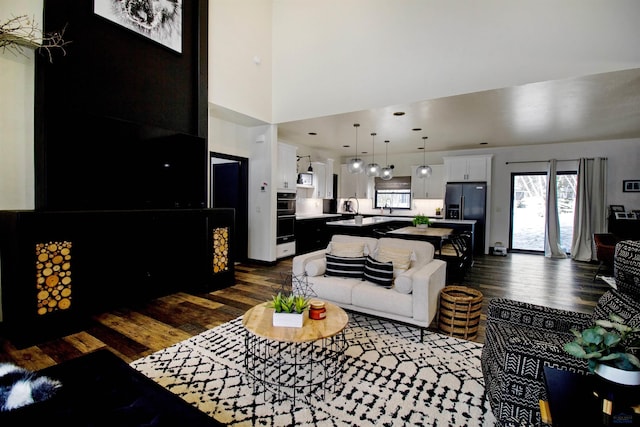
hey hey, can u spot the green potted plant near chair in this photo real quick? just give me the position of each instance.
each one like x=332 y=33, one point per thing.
x=288 y=310
x=421 y=221
x=610 y=346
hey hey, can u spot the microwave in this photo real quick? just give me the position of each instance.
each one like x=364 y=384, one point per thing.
x=305 y=178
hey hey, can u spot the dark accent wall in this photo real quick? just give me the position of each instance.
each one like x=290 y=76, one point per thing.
x=121 y=121
x=112 y=259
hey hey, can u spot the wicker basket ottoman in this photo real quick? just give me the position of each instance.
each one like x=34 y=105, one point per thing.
x=459 y=313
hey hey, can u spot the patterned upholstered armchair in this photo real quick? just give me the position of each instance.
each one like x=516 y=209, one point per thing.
x=522 y=338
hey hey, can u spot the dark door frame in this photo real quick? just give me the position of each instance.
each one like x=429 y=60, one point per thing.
x=511 y=208
x=242 y=210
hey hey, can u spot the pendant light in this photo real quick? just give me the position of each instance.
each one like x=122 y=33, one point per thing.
x=373 y=169
x=355 y=164
x=387 y=171
x=424 y=171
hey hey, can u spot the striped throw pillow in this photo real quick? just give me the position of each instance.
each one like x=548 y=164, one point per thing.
x=352 y=267
x=380 y=273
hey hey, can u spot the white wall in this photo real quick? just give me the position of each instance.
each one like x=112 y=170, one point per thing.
x=228 y=138
x=622 y=164
x=262 y=212
x=316 y=156
x=335 y=56
x=240 y=34
x=17 y=114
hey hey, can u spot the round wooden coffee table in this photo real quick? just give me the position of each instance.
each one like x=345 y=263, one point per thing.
x=295 y=363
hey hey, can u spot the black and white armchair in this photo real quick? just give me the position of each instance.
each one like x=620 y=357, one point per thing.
x=522 y=338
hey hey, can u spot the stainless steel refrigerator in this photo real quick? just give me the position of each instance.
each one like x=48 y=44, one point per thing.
x=468 y=200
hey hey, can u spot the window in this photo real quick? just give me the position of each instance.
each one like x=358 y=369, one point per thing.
x=394 y=193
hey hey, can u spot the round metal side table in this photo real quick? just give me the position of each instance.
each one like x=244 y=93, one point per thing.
x=295 y=363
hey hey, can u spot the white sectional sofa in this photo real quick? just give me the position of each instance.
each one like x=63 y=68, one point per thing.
x=413 y=296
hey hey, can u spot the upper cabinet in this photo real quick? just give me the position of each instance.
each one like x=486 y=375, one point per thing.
x=319 y=180
x=468 y=168
x=287 y=174
x=322 y=185
x=328 y=180
x=357 y=185
x=428 y=188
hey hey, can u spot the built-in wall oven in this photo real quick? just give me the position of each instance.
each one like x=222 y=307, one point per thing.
x=286 y=217
x=286 y=204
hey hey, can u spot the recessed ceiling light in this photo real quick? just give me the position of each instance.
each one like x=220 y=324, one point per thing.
x=399 y=113
x=416 y=129
x=312 y=133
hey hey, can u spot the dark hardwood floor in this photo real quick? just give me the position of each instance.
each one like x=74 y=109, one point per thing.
x=136 y=331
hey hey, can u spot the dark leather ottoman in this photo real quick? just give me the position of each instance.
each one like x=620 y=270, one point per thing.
x=100 y=389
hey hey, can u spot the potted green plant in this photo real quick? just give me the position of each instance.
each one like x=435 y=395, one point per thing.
x=288 y=309
x=610 y=346
x=421 y=221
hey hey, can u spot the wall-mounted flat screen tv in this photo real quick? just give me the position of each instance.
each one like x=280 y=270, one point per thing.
x=105 y=163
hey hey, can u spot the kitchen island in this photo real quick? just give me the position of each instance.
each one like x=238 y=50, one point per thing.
x=377 y=226
x=311 y=231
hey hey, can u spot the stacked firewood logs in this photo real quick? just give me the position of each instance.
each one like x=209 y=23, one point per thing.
x=220 y=249
x=53 y=276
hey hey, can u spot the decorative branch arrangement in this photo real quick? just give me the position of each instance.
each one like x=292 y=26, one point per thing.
x=21 y=32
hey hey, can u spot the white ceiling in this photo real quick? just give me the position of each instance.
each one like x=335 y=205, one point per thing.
x=591 y=108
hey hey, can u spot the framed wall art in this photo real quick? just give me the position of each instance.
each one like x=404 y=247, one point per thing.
x=159 y=21
x=631 y=185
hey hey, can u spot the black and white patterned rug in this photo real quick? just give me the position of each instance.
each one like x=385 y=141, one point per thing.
x=390 y=378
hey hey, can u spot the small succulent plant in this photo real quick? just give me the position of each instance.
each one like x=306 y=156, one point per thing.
x=289 y=303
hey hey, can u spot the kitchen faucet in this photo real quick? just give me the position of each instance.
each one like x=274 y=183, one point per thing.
x=386 y=206
x=357 y=204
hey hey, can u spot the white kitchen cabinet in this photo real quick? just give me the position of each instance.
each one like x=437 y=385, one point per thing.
x=319 y=180
x=468 y=168
x=287 y=174
x=284 y=250
x=428 y=188
x=328 y=180
x=354 y=185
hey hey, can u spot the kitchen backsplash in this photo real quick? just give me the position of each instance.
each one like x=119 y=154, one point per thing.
x=305 y=206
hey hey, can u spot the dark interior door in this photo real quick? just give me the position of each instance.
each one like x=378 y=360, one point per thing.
x=229 y=189
x=227 y=185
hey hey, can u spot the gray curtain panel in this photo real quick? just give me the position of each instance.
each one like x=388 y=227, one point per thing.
x=552 y=248
x=590 y=215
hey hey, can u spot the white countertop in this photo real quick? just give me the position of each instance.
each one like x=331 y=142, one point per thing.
x=382 y=219
x=455 y=221
x=316 y=216
x=372 y=220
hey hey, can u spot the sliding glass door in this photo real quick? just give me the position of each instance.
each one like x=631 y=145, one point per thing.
x=528 y=201
x=528 y=210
